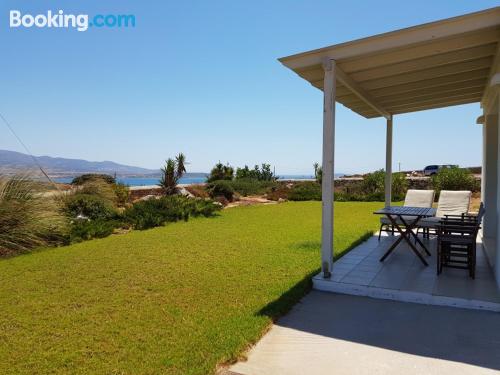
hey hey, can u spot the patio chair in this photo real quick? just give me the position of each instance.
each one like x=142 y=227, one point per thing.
x=456 y=244
x=449 y=203
x=413 y=198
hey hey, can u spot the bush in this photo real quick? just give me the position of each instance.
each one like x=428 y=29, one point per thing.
x=221 y=172
x=28 y=219
x=83 y=230
x=305 y=191
x=263 y=173
x=343 y=196
x=399 y=186
x=373 y=183
x=373 y=188
x=318 y=173
x=122 y=193
x=279 y=191
x=221 y=188
x=251 y=186
x=157 y=212
x=80 y=180
x=89 y=205
x=99 y=189
x=454 y=179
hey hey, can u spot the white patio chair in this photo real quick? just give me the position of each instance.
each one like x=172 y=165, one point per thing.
x=454 y=203
x=413 y=198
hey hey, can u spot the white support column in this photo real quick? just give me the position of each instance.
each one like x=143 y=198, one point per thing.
x=490 y=174
x=329 y=89
x=388 y=163
x=483 y=164
x=497 y=190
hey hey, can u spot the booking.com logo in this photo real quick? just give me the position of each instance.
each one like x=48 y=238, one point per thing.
x=59 y=19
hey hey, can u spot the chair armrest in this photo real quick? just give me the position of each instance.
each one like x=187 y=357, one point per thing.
x=461 y=216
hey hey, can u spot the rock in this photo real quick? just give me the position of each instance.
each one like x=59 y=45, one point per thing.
x=185 y=192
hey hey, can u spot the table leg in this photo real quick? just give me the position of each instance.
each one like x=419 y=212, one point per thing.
x=413 y=225
x=404 y=235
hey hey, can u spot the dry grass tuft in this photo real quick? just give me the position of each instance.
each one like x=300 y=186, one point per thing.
x=28 y=217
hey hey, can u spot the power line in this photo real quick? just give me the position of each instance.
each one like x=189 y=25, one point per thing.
x=27 y=150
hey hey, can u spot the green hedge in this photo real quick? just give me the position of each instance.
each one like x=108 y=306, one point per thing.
x=305 y=191
x=455 y=179
x=89 y=205
x=157 y=212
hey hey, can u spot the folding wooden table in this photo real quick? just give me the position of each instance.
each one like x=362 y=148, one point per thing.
x=398 y=216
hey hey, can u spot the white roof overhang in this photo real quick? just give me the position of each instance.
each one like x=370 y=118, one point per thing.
x=434 y=65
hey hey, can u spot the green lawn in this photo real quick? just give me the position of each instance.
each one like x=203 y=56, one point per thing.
x=172 y=300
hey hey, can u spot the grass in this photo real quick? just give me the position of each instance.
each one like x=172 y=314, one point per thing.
x=172 y=300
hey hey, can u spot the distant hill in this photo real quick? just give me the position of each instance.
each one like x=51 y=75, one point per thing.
x=12 y=162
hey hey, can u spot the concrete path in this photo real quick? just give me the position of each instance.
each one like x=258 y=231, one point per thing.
x=330 y=333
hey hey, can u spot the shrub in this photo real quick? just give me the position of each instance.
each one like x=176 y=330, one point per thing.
x=89 y=205
x=100 y=189
x=251 y=186
x=318 y=173
x=83 y=230
x=399 y=186
x=80 y=180
x=373 y=187
x=343 y=196
x=28 y=218
x=305 y=191
x=221 y=172
x=221 y=188
x=454 y=179
x=172 y=172
x=263 y=173
x=157 y=212
x=373 y=183
x=122 y=193
x=280 y=190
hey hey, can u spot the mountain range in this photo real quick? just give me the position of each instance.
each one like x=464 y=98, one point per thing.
x=15 y=162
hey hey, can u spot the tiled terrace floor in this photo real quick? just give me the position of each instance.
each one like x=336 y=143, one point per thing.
x=403 y=277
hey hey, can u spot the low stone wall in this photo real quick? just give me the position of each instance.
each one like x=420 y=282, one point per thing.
x=138 y=192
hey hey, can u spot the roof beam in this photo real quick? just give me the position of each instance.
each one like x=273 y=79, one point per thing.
x=439 y=91
x=431 y=73
x=439 y=105
x=404 y=87
x=401 y=55
x=361 y=93
x=419 y=64
x=435 y=103
x=447 y=103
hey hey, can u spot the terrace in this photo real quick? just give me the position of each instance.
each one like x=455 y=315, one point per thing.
x=440 y=64
x=403 y=277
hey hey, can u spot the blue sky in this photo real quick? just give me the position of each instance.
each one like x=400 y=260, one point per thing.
x=202 y=77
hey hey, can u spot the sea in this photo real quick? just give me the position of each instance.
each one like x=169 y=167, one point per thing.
x=149 y=181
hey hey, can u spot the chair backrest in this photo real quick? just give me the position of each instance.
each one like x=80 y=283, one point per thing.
x=419 y=198
x=453 y=202
x=480 y=213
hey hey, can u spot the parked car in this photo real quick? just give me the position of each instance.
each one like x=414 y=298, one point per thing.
x=433 y=169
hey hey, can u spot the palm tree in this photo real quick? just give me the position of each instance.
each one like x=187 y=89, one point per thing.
x=318 y=173
x=172 y=172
